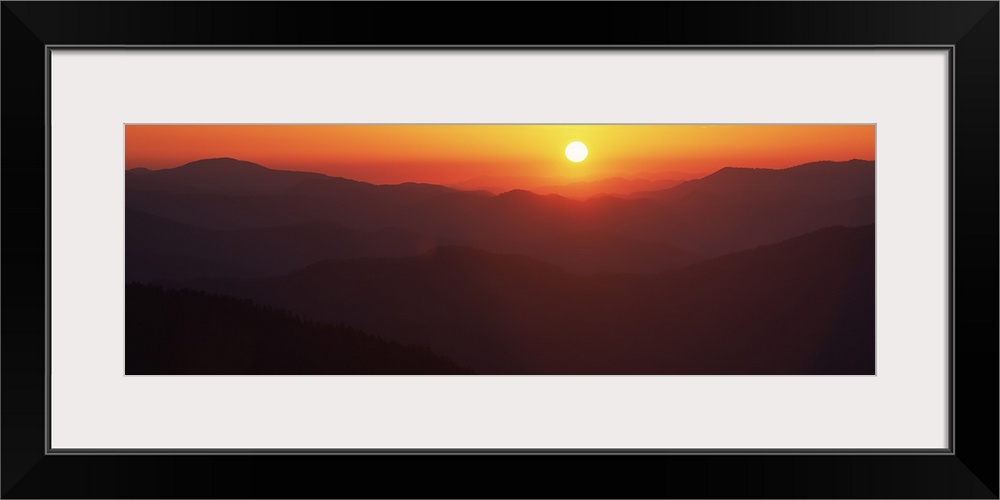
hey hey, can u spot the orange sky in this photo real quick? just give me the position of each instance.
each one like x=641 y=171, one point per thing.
x=445 y=154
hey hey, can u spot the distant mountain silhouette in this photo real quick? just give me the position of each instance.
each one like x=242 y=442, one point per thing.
x=563 y=187
x=496 y=184
x=802 y=306
x=218 y=175
x=230 y=194
x=610 y=186
x=737 y=208
x=824 y=180
x=185 y=332
x=730 y=210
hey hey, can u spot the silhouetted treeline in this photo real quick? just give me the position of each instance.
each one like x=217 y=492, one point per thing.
x=195 y=333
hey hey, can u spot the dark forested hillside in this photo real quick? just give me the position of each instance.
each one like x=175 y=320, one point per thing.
x=185 y=332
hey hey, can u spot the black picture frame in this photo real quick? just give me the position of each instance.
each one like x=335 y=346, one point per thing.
x=970 y=29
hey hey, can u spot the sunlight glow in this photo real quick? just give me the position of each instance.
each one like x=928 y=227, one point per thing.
x=576 y=151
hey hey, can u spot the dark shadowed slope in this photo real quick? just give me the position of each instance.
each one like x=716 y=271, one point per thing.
x=161 y=250
x=183 y=332
x=803 y=306
x=588 y=252
x=814 y=295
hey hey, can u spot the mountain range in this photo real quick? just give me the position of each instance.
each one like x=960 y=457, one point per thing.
x=744 y=271
x=320 y=216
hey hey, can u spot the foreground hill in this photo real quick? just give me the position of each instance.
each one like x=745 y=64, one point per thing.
x=184 y=332
x=802 y=306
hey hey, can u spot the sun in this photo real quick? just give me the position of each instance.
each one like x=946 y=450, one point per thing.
x=576 y=151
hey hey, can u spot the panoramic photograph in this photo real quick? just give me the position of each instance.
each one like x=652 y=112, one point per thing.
x=500 y=249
